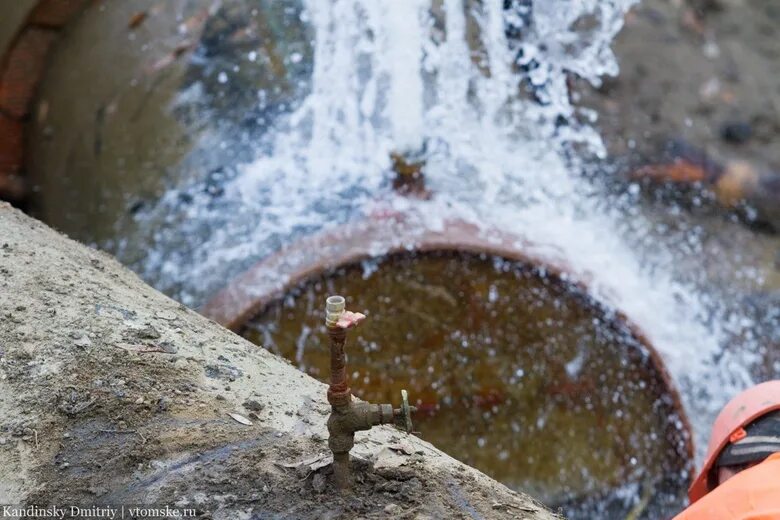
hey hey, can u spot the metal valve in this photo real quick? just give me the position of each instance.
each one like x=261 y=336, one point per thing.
x=403 y=415
x=348 y=416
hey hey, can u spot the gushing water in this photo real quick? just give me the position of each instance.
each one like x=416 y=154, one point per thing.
x=478 y=89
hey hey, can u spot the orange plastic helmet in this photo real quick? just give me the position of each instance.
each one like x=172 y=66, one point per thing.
x=738 y=413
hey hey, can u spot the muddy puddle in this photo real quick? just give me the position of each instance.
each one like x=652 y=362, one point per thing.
x=514 y=373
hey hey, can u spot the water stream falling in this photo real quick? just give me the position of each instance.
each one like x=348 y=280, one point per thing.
x=479 y=90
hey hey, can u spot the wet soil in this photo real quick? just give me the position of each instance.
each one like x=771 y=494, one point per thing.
x=698 y=79
x=701 y=71
x=112 y=393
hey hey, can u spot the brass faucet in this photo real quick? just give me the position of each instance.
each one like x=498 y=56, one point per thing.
x=348 y=416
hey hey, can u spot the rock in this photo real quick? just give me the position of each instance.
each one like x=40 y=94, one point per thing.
x=163 y=403
x=393 y=509
x=73 y=402
x=253 y=405
x=318 y=482
x=241 y=419
x=148 y=332
x=83 y=341
x=165 y=315
x=389 y=459
x=736 y=132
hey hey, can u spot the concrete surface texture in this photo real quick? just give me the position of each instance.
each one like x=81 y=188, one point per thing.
x=112 y=393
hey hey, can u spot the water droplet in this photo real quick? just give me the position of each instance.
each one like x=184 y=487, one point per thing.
x=492 y=294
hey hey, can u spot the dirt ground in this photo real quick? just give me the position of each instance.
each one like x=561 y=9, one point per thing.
x=699 y=79
x=704 y=71
x=112 y=393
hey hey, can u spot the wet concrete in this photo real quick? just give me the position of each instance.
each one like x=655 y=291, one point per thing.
x=176 y=93
x=14 y=14
x=103 y=135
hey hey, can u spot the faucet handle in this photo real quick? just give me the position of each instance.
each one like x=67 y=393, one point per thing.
x=403 y=415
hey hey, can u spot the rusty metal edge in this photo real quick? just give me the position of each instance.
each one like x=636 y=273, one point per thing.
x=269 y=279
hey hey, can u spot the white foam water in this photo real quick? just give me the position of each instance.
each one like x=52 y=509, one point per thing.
x=478 y=89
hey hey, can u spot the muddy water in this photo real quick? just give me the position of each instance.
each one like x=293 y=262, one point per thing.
x=514 y=373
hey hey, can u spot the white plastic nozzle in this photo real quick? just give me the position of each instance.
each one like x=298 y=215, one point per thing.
x=334 y=309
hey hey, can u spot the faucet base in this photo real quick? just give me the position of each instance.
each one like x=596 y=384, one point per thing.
x=341 y=472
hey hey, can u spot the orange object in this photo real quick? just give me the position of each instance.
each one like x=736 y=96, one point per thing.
x=739 y=179
x=738 y=435
x=753 y=494
x=679 y=170
x=738 y=413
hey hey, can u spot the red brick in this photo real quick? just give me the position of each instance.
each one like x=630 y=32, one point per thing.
x=12 y=188
x=11 y=158
x=55 y=13
x=23 y=70
x=11 y=142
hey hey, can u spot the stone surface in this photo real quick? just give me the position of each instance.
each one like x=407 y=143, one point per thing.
x=87 y=426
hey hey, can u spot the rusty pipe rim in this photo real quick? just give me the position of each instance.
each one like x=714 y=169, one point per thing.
x=383 y=236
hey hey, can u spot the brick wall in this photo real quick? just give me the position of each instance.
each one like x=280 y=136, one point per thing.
x=22 y=67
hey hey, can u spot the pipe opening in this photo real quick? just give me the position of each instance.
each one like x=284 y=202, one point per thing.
x=513 y=371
